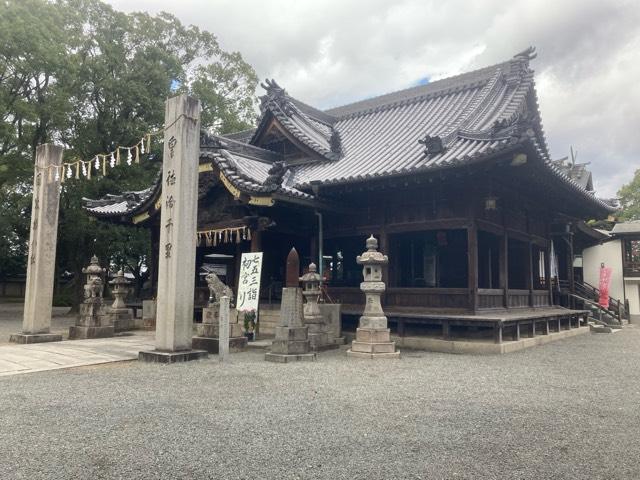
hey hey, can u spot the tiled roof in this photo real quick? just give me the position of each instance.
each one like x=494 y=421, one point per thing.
x=125 y=204
x=626 y=227
x=447 y=123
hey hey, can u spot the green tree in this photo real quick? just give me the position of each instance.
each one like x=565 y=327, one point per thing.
x=629 y=196
x=81 y=74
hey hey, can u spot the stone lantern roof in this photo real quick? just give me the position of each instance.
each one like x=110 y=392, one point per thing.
x=372 y=256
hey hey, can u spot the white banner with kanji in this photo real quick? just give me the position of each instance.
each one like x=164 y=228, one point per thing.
x=249 y=282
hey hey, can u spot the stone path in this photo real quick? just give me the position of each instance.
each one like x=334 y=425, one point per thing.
x=17 y=359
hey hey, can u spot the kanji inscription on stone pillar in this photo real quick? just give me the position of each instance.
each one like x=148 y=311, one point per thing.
x=36 y=321
x=176 y=269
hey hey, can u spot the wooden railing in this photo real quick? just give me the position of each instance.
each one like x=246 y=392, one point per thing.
x=591 y=293
x=407 y=297
x=518 y=299
x=540 y=298
x=428 y=297
x=489 y=298
x=631 y=269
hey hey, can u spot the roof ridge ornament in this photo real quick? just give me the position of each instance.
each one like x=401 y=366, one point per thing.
x=277 y=96
x=276 y=176
x=519 y=65
x=432 y=145
x=208 y=140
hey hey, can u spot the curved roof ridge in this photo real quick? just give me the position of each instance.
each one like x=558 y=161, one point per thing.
x=432 y=88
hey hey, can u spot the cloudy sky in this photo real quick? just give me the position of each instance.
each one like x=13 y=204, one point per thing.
x=331 y=52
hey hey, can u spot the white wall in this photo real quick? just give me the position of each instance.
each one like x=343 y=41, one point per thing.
x=632 y=289
x=609 y=253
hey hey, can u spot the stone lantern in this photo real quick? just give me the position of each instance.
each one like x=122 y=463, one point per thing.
x=372 y=336
x=119 y=289
x=92 y=322
x=313 y=318
x=120 y=316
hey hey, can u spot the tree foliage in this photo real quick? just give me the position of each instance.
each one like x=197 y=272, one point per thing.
x=629 y=196
x=79 y=73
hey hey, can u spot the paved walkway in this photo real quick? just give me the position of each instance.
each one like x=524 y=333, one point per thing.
x=38 y=357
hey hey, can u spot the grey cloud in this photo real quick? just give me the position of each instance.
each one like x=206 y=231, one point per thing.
x=330 y=52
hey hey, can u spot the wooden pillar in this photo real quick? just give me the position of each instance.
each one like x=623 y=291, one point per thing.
x=384 y=248
x=504 y=268
x=547 y=271
x=446 y=332
x=572 y=286
x=472 y=257
x=530 y=271
x=155 y=248
x=517 y=331
x=256 y=241
x=497 y=330
x=533 y=328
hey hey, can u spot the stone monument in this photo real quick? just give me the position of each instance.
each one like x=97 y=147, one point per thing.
x=208 y=337
x=92 y=322
x=292 y=337
x=38 y=299
x=313 y=318
x=178 y=216
x=372 y=336
x=149 y=314
x=119 y=315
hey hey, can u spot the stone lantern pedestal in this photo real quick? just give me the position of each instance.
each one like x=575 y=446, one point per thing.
x=92 y=322
x=208 y=337
x=372 y=336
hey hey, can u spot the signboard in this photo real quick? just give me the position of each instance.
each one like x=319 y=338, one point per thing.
x=249 y=282
x=605 y=281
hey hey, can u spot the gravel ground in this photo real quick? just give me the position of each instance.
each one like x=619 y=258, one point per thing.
x=566 y=410
x=11 y=320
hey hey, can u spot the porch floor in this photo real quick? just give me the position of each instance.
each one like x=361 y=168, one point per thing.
x=491 y=325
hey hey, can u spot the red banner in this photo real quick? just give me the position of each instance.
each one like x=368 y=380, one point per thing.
x=605 y=280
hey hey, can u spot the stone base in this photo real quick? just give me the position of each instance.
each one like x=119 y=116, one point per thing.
x=283 y=358
x=210 y=330
x=211 y=345
x=393 y=355
x=77 y=332
x=327 y=346
x=156 y=356
x=148 y=323
x=35 y=338
x=373 y=343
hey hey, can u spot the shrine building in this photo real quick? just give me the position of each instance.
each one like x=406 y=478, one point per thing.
x=454 y=178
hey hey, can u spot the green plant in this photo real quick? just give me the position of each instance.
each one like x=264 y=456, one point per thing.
x=249 y=321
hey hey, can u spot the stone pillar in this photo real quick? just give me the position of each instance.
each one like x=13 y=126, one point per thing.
x=372 y=336
x=36 y=322
x=223 y=349
x=176 y=269
x=292 y=337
